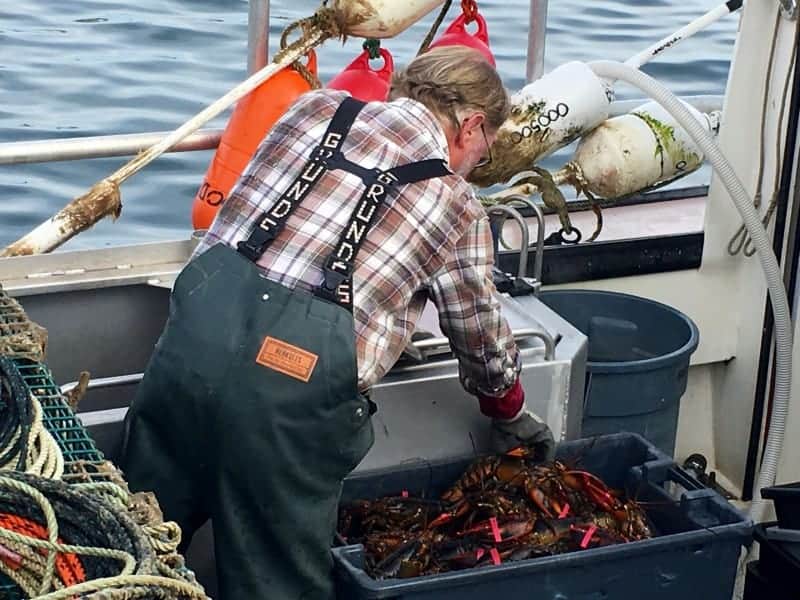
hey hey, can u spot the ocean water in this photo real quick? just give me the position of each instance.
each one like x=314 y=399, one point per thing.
x=101 y=67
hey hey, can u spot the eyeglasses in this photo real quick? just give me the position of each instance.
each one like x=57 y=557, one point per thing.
x=487 y=159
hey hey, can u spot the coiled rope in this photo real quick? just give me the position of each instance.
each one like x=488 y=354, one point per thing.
x=84 y=533
x=25 y=444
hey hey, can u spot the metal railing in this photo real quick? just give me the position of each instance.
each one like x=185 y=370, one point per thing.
x=66 y=149
x=52 y=150
x=537 y=34
x=257 y=35
x=105 y=146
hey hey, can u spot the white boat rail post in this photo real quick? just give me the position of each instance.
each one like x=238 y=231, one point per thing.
x=537 y=34
x=257 y=35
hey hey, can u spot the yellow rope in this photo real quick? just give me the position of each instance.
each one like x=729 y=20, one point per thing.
x=55 y=548
x=44 y=456
x=31 y=570
x=164 y=537
x=37 y=576
x=181 y=587
x=51 y=523
x=112 y=492
x=297 y=65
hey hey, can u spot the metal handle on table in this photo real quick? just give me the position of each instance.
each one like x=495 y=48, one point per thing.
x=518 y=334
x=419 y=346
x=538 y=258
x=523 y=227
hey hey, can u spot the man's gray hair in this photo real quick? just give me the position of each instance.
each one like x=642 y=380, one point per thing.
x=449 y=79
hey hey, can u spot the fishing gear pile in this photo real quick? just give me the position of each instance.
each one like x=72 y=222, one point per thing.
x=60 y=541
x=25 y=444
x=503 y=508
x=19 y=336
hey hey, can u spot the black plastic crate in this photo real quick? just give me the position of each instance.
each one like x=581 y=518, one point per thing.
x=786 y=499
x=695 y=555
x=779 y=561
x=73 y=439
x=759 y=587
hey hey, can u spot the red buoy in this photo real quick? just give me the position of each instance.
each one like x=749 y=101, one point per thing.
x=457 y=35
x=362 y=81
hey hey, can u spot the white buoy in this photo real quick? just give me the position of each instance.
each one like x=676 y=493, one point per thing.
x=380 y=18
x=546 y=115
x=565 y=104
x=637 y=151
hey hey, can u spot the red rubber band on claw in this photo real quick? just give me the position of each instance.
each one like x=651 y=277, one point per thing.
x=587 y=537
x=495 y=530
x=479 y=553
x=564 y=512
x=495 y=556
x=404 y=493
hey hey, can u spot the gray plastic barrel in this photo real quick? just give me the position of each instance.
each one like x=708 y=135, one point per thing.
x=638 y=361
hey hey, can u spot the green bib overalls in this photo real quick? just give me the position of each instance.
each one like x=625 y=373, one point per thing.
x=249 y=411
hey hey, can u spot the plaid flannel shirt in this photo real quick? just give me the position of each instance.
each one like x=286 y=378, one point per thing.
x=431 y=240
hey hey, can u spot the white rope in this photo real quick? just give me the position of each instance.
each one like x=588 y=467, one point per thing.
x=44 y=457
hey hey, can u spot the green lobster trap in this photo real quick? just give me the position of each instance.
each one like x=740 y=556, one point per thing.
x=82 y=459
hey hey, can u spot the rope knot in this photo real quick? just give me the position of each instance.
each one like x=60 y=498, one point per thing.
x=470 y=10
x=305 y=25
x=373 y=47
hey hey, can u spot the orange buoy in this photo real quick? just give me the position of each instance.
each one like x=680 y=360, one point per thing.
x=362 y=81
x=253 y=117
x=457 y=35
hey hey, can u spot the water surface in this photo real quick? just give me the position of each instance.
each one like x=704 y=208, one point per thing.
x=99 y=67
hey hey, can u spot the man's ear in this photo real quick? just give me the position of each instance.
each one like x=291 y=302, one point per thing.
x=470 y=126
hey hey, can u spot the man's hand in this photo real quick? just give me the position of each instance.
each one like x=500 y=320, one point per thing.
x=514 y=425
x=525 y=429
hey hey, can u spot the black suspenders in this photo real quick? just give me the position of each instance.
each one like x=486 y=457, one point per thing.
x=337 y=284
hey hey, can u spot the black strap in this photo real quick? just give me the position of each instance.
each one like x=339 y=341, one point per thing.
x=337 y=282
x=272 y=222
